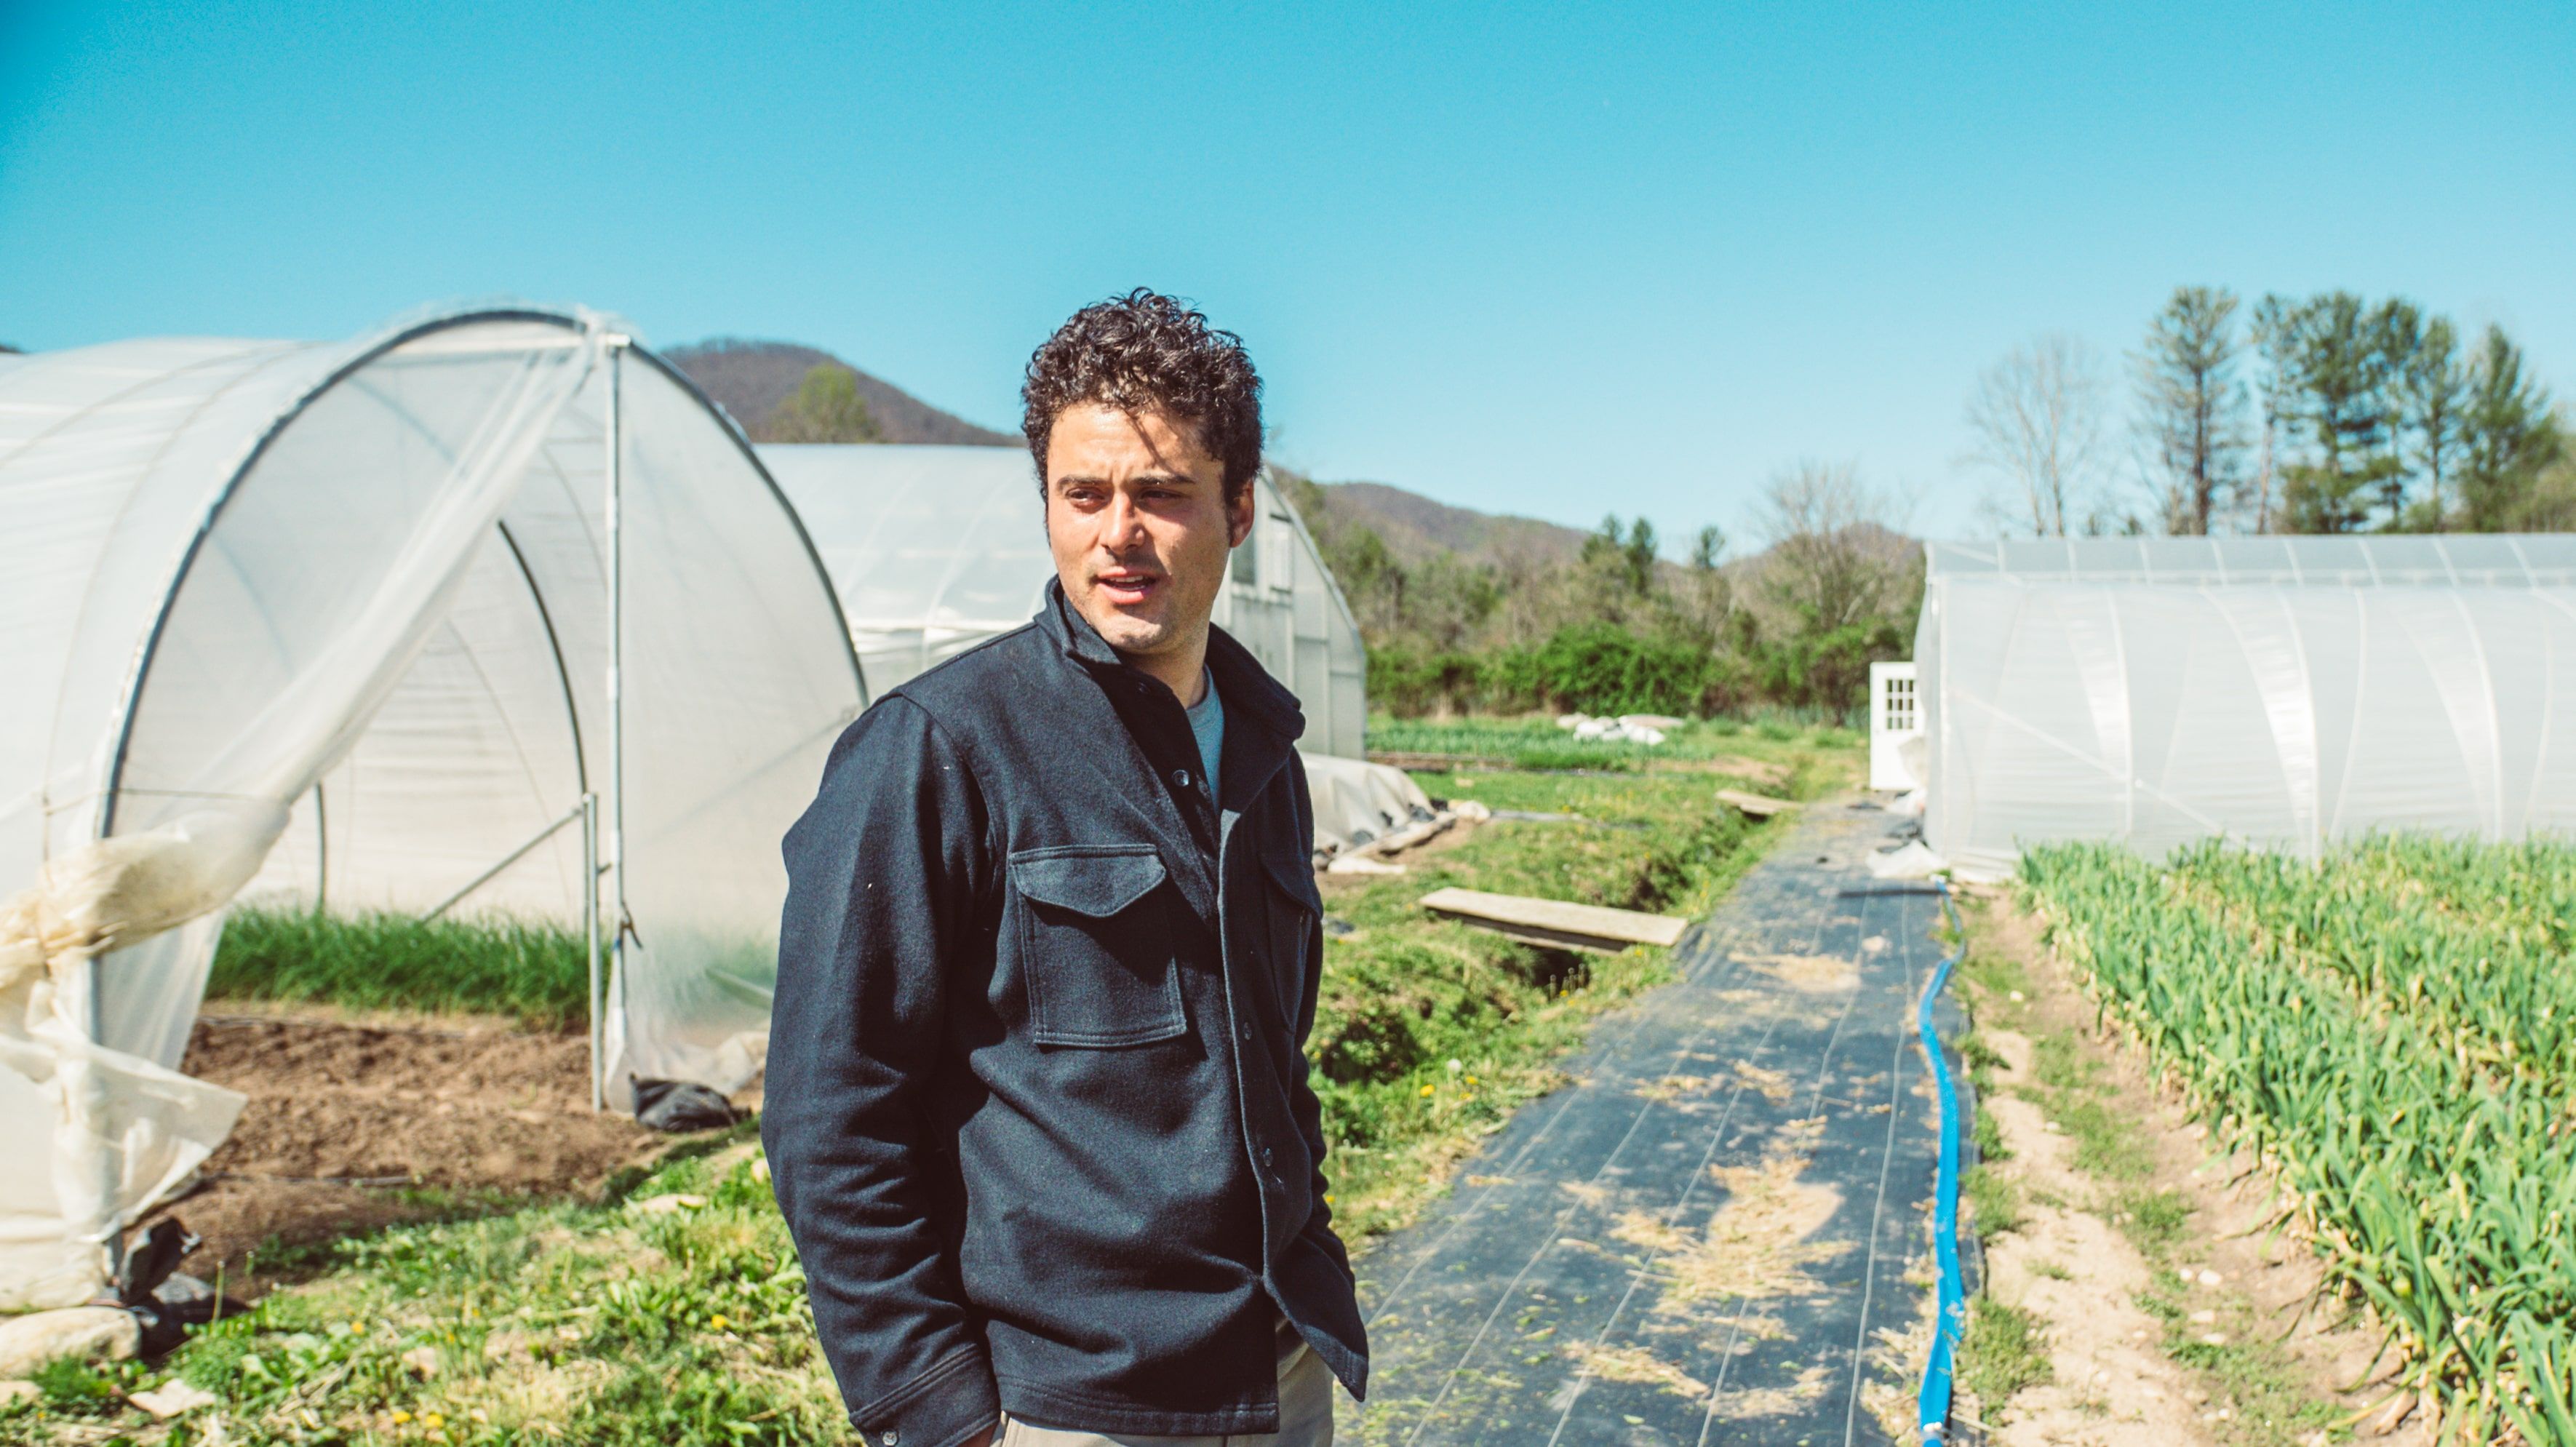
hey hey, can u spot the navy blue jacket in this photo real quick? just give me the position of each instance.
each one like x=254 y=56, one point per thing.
x=1037 y=1107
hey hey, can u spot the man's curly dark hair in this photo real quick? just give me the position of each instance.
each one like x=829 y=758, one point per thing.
x=1149 y=352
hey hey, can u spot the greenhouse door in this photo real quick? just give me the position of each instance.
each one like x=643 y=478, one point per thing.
x=1893 y=718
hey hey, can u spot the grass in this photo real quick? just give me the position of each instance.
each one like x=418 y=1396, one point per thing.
x=1994 y=1201
x=534 y=972
x=591 y=1323
x=2254 y=1375
x=2002 y=1351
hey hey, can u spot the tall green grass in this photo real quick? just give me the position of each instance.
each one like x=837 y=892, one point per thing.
x=535 y=972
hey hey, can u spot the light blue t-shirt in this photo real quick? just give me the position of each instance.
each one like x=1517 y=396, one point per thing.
x=1207 y=722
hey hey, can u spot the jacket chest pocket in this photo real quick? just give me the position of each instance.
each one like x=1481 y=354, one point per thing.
x=1095 y=945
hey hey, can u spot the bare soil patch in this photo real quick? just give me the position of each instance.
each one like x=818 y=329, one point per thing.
x=2181 y=1336
x=356 y=1125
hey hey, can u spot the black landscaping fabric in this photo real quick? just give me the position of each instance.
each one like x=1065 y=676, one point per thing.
x=1720 y=1233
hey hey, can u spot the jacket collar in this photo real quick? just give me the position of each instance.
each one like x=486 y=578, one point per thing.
x=1251 y=694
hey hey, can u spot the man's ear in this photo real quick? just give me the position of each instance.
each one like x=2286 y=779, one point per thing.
x=1240 y=512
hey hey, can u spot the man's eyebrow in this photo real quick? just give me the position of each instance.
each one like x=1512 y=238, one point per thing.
x=1159 y=477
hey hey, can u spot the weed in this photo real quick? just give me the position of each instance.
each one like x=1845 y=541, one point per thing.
x=2001 y=1352
x=1994 y=1202
x=2270 y=1401
x=1988 y=1134
x=2154 y=1220
x=74 y=1388
x=1979 y=1055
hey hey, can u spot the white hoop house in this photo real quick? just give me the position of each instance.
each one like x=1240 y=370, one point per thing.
x=2282 y=692
x=935 y=549
x=331 y=623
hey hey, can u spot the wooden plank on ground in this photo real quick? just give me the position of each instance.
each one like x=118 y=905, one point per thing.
x=1555 y=922
x=1760 y=806
x=1435 y=763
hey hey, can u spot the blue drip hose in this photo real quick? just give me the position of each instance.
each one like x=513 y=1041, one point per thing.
x=1932 y=1404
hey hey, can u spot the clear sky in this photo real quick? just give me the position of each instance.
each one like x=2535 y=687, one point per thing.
x=1552 y=260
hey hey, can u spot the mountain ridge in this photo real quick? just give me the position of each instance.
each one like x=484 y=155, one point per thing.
x=1416 y=528
x=749 y=378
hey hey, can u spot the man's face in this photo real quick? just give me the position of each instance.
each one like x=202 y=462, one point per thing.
x=1137 y=519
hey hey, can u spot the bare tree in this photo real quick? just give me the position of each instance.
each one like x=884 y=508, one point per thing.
x=2037 y=419
x=1836 y=554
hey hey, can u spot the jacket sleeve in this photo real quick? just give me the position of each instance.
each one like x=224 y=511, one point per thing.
x=884 y=874
x=1302 y=1103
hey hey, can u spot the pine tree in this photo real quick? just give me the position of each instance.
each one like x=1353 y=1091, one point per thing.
x=2434 y=392
x=2193 y=405
x=2342 y=359
x=2508 y=436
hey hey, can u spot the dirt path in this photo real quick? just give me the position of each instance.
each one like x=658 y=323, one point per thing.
x=2162 y=1309
x=1717 y=1234
x=356 y=1125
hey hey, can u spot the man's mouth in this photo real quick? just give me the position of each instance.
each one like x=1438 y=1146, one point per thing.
x=1127 y=588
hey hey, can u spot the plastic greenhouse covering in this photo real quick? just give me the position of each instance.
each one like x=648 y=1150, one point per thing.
x=2285 y=693
x=327 y=623
x=935 y=549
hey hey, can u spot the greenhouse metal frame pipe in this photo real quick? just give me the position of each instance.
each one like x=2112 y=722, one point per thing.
x=590 y=932
x=506 y=860
x=616 y=344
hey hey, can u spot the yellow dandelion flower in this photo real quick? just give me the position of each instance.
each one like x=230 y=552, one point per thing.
x=401 y=1417
x=1429 y=1089
x=717 y=1321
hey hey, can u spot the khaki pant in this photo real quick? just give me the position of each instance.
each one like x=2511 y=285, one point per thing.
x=1305 y=1414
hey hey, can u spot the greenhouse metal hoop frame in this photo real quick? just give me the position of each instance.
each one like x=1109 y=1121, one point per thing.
x=616 y=344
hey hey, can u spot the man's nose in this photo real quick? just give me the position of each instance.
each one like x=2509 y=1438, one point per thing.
x=1124 y=527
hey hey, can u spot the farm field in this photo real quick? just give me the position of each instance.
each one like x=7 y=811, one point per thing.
x=663 y=1303
x=2379 y=1042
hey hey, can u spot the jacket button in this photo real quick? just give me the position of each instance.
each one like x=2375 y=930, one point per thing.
x=893 y=1439
x=1181 y=777
x=1265 y=1155
x=1243 y=1031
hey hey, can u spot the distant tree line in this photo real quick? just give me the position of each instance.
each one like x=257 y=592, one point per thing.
x=2324 y=414
x=1618 y=628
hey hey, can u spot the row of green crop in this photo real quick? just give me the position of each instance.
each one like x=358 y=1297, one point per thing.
x=2437 y=1187
x=2412 y=920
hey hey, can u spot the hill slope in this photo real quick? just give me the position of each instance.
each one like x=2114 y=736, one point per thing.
x=750 y=378
x=1415 y=527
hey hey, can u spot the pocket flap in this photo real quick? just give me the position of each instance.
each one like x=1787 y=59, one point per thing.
x=1295 y=874
x=1092 y=879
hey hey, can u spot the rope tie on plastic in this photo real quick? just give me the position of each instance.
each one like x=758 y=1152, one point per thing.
x=1932 y=1403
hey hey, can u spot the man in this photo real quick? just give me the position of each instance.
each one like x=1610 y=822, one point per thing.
x=1037 y=1104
